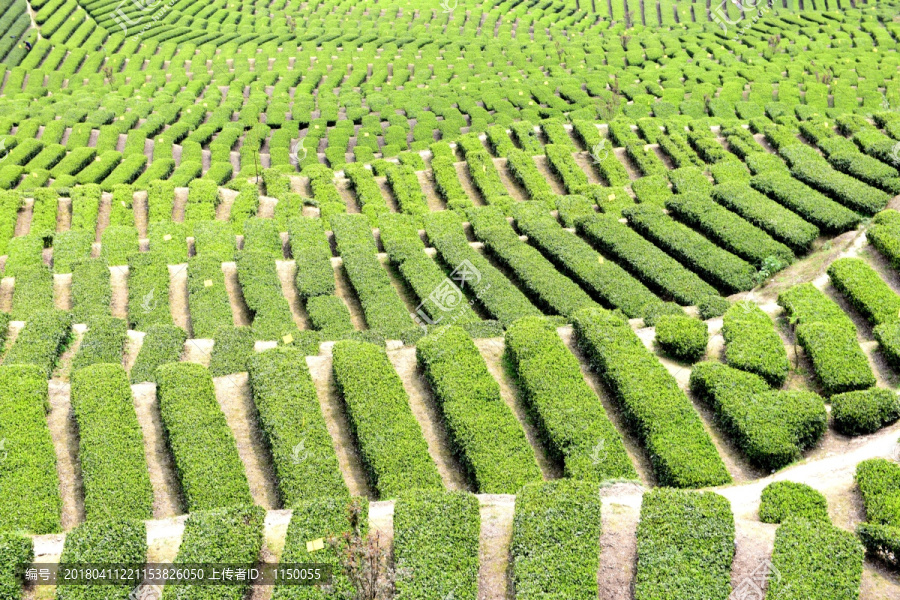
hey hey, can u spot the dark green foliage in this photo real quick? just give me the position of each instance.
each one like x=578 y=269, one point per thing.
x=33 y=292
x=682 y=337
x=162 y=344
x=233 y=348
x=116 y=541
x=783 y=499
x=712 y=307
x=329 y=315
x=41 y=341
x=864 y=411
x=752 y=343
x=104 y=342
x=879 y=481
x=91 y=290
x=865 y=290
x=207 y=296
x=148 y=291
x=258 y=275
x=15 y=550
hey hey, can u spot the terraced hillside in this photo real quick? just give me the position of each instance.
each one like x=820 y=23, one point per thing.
x=566 y=299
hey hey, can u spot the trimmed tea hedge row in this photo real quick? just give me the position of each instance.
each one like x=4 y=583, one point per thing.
x=680 y=450
x=32 y=293
x=104 y=342
x=111 y=445
x=41 y=341
x=203 y=448
x=497 y=294
x=752 y=343
x=117 y=541
x=233 y=348
x=168 y=240
x=29 y=490
x=878 y=480
x=368 y=194
x=214 y=239
x=230 y=535
x=486 y=436
x=864 y=411
x=571 y=420
x=207 y=296
x=442 y=298
x=70 y=247
x=772 y=428
x=407 y=191
x=526 y=173
x=682 y=337
x=770 y=216
x=162 y=344
x=15 y=550
x=784 y=499
x=118 y=242
x=306 y=466
x=829 y=337
x=685 y=546
x=325 y=518
x=656 y=269
x=391 y=444
x=436 y=536
x=91 y=290
x=384 y=309
x=537 y=275
x=261 y=286
x=329 y=315
x=446 y=182
x=24 y=252
x=202 y=200
x=606 y=280
x=718 y=266
x=556 y=540
x=865 y=290
x=262 y=235
x=485 y=177
x=727 y=229
x=884 y=234
x=148 y=291
x=312 y=254
x=815 y=560
x=563 y=164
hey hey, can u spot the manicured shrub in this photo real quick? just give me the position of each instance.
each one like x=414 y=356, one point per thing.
x=148 y=291
x=15 y=550
x=203 y=448
x=865 y=290
x=783 y=499
x=752 y=343
x=486 y=436
x=772 y=428
x=168 y=241
x=888 y=336
x=555 y=543
x=436 y=536
x=272 y=318
x=535 y=273
x=884 y=234
x=162 y=344
x=85 y=208
x=104 y=342
x=306 y=466
x=563 y=165
x=118 y=243
x=681 y=452
x=719 y=267
x=207 y=296
x=231 y=535
x=29 y=489
x=261 y=235
x=233 y=348
x=712 y=307
x=656 y=269
x=405 y=185
x=329 y=315
x=70 y=247
x=91 y=290
x=390 y=440
x=116 y=541
x=41 y=341
x=312 y=254
x=203 y=198
x=25 y=252
x=813 y=206
x=682 y=337
x=685 y=545
x=864 y=411
x=214 y=239
x=33 y=292
x=815 y=560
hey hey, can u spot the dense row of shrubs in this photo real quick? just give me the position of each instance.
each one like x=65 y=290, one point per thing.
x=104 y=342
x=884 y=235
x=203 y=447
x=658 y=412
x=207 y=297
x=781 y=500
x=162 y=344
x=878 y=480
x=261 y=288
x=485 y=434
x=813 y=206
x=389 y=438
x=41 y=341
x=15 y=549
x=115 y=541
x=752 y=343
x=556 y=540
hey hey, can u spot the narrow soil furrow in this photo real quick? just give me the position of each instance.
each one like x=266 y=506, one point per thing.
x=338 y=426
x=387 y=194
x=347 y=195
x=64 y=214
x=497 y=512
x=240 y=313
x=23 y=218
x=426 y=182
x=344 y=290
x=233 y=394
x=226 y=200
x=181 y=196
x=133 y=344
x=493 y=352
x=167 y=501
x=586 y=162
x=141 y=217
x=118 y=279
x=103 y=215
x=381 y=523
x=426 y=411
x=513 y=188
x=7 y=285
x=62 y=291
x=618 y=547
x=287 y=271
x=544 y=168
x=462 y=173
x=406 y=294
x=754 y=542
x=65 y=441
x=178 y=296
x=266 y=209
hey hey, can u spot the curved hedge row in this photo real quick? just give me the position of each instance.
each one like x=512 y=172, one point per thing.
x=203 y=448
x=772 y=428
x=783 y=499
x=752 y=343
x=390 y=440
x=864 y=411
x=681 y=451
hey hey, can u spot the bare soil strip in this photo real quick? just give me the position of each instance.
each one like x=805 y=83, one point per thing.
x=287 y=270
x=118 y=279
x=347 y=195
x=178 y=296
x=7 y=284
x=23 y=218
x=544 y=168
x=266 y=209
x=64 y=363
x=345 y=291
x=497 y=512
x=586 y=162
x=492 y=350
x=381 y=522
x=462 y=173
x=233 y=394
x=426 y=412
x=635 y=451
x=754 y=542
x=133 y=344
x=198 y=351
x=226 y=200
x=141 y=217
x=103 y=215
x=65 y=442
x=618 y=547
x=338 y=426
x=240 y=313
x=167 y=500
x=62 y=291
x=515 y=190
x=181 y=196
x=164 y=539
x=426 y=182
x=64 y=214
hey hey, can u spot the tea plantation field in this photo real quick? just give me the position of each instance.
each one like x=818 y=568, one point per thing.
x=560 y=299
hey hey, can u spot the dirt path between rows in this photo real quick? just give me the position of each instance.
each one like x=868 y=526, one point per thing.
x=104 y=214
x=65 y=441
x=462 y=174
x=344 y=290
x=178 y=296
x=167 y=501
x=236 y=402
x=338 y=426
x=23 y=218
x=497 y=511
x=240 y=312
x=64 y=362
x=513 y=188
x=181 y=197
x=426 y=183
x=226 y=201
x=618 y=544
x=64 y=214
x=543 y=166
x=287 y=272
x=62 y=291
x=118 y=279
x=133 y=344
x=425 y=409
x=198 y=351
x=7 y=285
